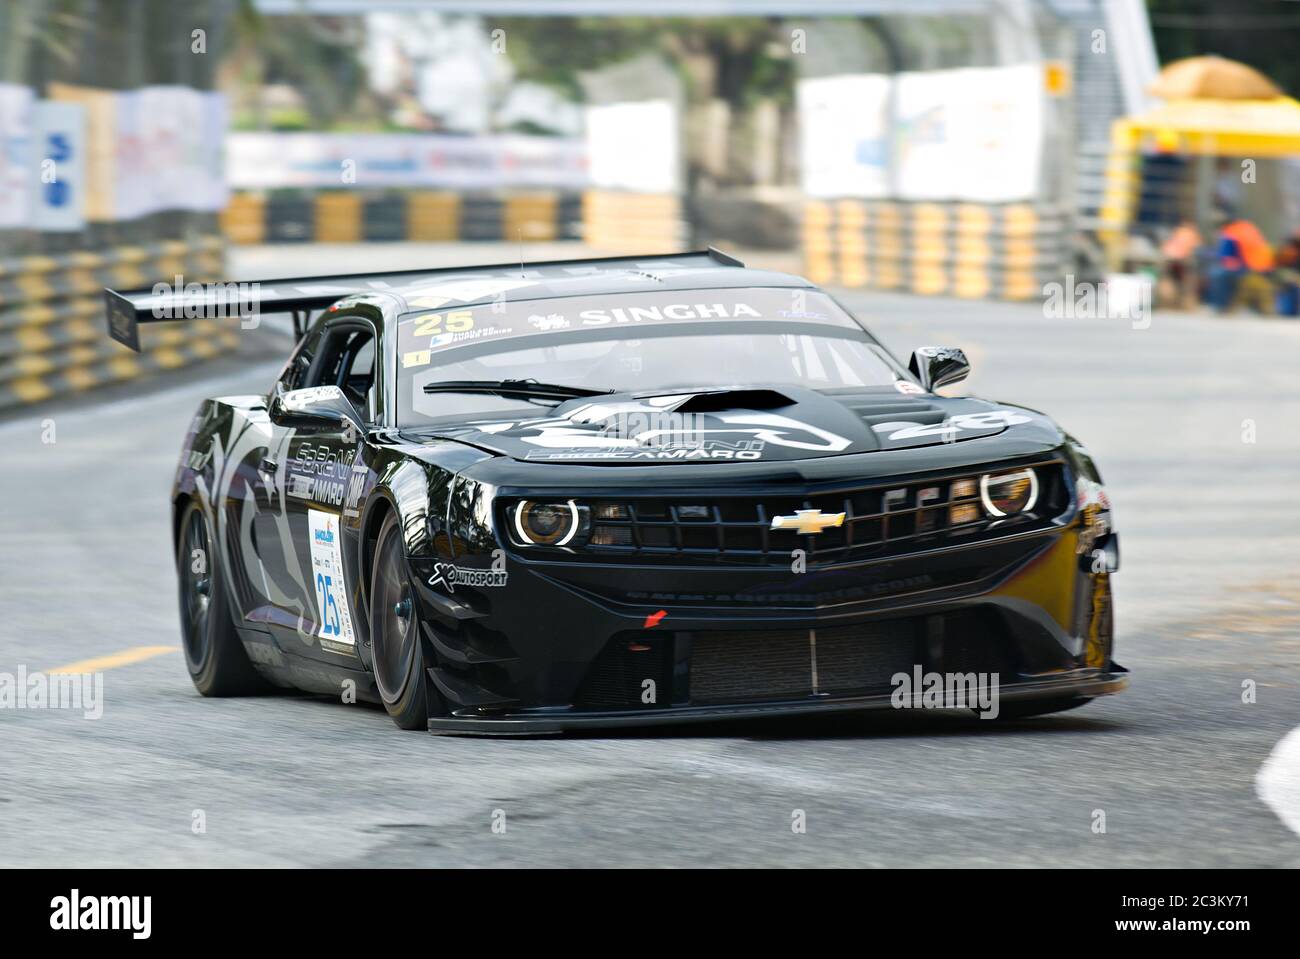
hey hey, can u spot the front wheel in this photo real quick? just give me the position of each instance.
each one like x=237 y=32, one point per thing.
x=399 y=657
x=214 y=656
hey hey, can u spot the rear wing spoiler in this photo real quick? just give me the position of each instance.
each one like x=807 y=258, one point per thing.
x=164 y=303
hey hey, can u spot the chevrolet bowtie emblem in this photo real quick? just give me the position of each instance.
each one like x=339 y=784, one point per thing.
x=808 y=521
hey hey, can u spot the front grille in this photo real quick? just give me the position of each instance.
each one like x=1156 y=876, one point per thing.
x=860 y=659
x=743 y=666
x=883 y=519
x=721 y=667
x=749 y=666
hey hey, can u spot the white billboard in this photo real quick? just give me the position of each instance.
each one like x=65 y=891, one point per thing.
x=844 y=135
x=969 y=134
x=342 y=160
x=168 y=147
x=634 y=146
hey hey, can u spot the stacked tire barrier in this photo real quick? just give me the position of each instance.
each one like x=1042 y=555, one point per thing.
x=339 y=216
x=634 y=222
x=433 y=217
x=998 y=251
x=53 y=337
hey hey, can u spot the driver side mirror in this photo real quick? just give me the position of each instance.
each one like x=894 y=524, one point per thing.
x=316 y=407
x=937 y=366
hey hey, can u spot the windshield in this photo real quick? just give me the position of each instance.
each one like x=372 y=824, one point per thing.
x=631 y=342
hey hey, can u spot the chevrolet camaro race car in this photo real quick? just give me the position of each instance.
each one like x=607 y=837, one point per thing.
x=589 y=493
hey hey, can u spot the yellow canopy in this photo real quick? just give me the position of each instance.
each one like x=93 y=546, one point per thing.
x=1212 y=78
x=1212 y=107
x=1248 y=128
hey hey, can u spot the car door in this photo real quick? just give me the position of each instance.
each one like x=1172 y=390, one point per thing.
x=325 y=474
x=278 y=577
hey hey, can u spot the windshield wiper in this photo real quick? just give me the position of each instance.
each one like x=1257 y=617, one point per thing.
x=527 y=389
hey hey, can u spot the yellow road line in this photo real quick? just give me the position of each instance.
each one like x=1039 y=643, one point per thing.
x=125 y=658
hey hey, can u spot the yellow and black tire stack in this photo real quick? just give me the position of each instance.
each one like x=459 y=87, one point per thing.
x=850 y=245
x=633 y=222
x=53 y=339
x=419 y=216
x=971 y=250
x=820 y=247
x=244 y=218
x=531 y=217
x=433 y=217
x=290 y=218
x=889 y=244
x=383 y=219
x=338 y=217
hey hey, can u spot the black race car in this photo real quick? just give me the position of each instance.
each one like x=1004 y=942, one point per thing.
x=530 y=498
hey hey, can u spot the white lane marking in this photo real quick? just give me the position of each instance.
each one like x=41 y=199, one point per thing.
x=1278 y=780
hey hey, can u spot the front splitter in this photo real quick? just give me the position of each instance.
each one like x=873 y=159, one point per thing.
x=1081 y=684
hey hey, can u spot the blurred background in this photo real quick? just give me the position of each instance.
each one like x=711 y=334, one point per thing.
x=971 y=148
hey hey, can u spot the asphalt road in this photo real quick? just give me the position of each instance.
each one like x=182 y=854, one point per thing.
x=1208 y=597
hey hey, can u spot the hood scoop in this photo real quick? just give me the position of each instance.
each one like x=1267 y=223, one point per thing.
x=721 y=400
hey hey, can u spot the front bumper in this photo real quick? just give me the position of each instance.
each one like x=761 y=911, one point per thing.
x=1081 y=684
x=559 y=646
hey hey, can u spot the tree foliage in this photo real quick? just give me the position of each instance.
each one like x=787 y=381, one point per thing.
x=735 y=58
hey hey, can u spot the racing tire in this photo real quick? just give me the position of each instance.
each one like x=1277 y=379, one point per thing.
x=1025 y=708
x=398 y=650
x=214 y=656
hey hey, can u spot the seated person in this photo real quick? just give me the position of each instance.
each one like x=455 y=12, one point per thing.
x=1241 y=257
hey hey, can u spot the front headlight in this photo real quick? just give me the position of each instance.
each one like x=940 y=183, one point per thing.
x=1006 y=494
x=548 y=524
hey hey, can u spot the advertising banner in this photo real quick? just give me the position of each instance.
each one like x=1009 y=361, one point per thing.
x=168 y=154
x=436 y=161
x=969 y=134
x=100 y=152
x=148 y=150
x=59 y=160
x=16 y=104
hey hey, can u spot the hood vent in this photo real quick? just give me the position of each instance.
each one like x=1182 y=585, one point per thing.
x=876 y=408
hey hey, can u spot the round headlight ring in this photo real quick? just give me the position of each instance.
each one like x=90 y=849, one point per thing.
x=525 y=506
x=988 y=479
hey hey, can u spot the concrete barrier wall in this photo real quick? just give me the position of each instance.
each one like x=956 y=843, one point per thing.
x=998 y=251
x=53 y=338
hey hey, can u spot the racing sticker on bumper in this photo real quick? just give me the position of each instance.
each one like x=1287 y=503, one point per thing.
x=334 y=617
